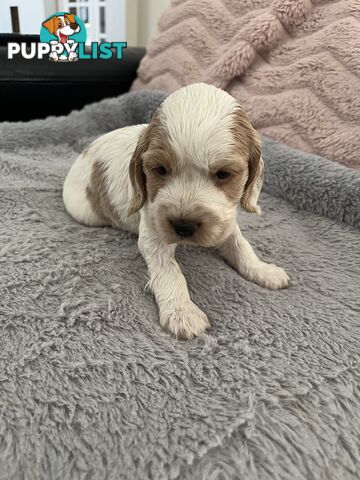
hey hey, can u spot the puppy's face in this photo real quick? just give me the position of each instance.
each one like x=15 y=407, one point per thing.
x=194 y=168
x=62 y=25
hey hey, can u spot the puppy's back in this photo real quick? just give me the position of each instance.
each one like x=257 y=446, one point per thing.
x=97 y=190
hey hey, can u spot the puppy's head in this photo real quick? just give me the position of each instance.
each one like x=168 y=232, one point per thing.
x=197 y=160
x=65 y=24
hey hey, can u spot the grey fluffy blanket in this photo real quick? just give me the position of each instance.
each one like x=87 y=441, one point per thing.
x=92 y=388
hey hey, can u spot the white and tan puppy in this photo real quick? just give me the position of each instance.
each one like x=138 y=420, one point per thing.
x=177 y=180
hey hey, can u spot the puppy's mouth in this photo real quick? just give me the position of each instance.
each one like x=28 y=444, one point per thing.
x=197 y=243
x=63 y=38
x=175 y=239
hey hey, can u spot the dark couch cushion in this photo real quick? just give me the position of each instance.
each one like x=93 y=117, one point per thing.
x=35 y=88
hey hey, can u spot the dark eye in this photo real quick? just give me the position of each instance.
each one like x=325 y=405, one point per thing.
x=222 y=175
x=160 y=171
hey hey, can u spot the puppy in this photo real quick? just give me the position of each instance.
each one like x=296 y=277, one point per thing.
x=177 y=180
x=62 y=27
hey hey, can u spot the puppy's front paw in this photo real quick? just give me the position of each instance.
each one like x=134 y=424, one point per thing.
x=184 y=322
x=54 y=57
x=72 y=56
x=270 y=276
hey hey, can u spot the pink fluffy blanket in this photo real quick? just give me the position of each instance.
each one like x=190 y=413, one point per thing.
x=294 y=65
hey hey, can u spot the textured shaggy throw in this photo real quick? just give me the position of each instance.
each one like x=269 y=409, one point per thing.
x=92 y=388
x=294 y=65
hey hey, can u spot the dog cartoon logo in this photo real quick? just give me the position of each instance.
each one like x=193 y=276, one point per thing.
x=58 y=30
x=63 y=38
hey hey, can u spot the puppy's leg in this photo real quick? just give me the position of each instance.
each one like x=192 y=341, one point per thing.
x=178 y=314
x=238 y=252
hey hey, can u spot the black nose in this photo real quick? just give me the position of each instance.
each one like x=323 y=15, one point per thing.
x=184 y=229
x=74 y=26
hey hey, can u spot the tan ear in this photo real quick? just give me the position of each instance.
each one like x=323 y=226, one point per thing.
x=153 y=134
x=71 y=17
x=247 y=143
x=137 y=175
x=52 y=24
x=255 y=179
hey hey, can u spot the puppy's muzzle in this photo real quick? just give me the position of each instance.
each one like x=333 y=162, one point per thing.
x=184 y=228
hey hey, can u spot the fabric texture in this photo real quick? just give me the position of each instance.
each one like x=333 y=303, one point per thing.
x=92 y=387
x=294 y=65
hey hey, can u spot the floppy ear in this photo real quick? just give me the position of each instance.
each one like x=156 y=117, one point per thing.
x=247 y=142
x=152 y=133
x=256 y=176
x=71 y=17
x=52 y=24
x=137 y=175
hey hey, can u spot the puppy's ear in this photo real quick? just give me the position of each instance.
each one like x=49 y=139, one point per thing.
x=52 y=24
x=136 y=170
x=70 y=17
x=255 y=179
x=247 y=140
x=137 y=175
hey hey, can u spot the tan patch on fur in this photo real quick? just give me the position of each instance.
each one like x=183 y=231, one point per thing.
x=247 y=143
x=153 y=149
x=164 y=157
x=233 y=186
x=233 y=189
x=97 y=193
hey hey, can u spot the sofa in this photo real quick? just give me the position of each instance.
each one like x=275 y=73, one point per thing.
x=38 y=88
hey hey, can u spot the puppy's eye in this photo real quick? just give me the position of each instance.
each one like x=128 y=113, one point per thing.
x=222 y=175
x=160 y=170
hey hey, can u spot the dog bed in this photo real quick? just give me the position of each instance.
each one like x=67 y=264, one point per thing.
x=93 y=388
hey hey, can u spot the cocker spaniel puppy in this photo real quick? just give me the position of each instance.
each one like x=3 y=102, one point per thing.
x=177 y=180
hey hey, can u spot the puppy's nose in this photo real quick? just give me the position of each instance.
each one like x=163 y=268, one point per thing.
x=74 y=26
x=184 y=229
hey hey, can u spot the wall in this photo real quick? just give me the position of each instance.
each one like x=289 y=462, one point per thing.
x=116 y=21
x=132 y=23
x=51 y=6
x=31 y=14
x=149 y=12
x=141 y=19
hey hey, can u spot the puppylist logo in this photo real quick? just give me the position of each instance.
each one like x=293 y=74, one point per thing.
x=62 y=38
